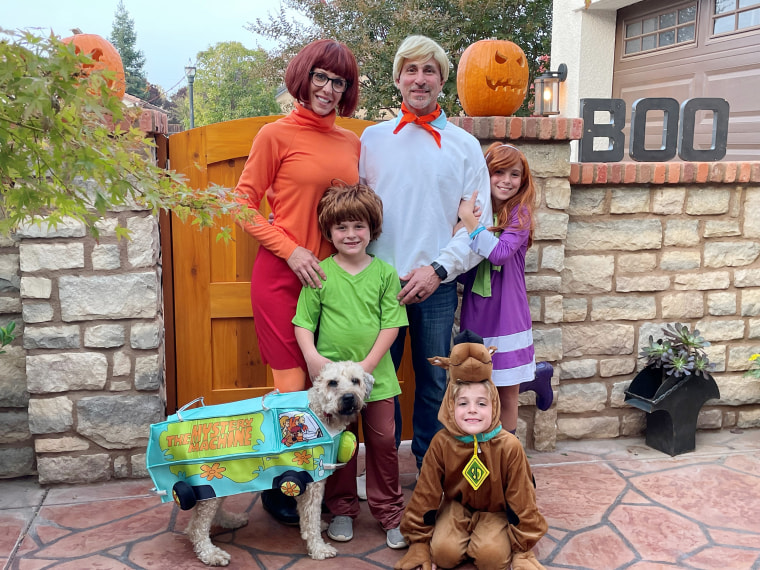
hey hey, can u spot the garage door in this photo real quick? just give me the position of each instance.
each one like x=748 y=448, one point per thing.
x=697 y=48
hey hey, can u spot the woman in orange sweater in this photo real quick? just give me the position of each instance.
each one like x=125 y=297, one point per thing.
x=292 y=162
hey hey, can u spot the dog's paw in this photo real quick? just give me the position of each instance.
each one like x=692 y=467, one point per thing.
x=231 y=520
x=214 y=556
x=321 y=550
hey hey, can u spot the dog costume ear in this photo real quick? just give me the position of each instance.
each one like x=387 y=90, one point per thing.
x=470 y=359
x=369 y=382
x=441 y=361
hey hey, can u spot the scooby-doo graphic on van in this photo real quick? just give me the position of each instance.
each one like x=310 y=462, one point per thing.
x=250 y=445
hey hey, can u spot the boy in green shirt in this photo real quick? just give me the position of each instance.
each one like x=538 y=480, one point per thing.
x=357 y=317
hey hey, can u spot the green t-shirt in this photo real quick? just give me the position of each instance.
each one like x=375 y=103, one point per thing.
x=348 y=313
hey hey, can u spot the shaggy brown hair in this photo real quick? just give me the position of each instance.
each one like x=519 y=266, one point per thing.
x=344 y=203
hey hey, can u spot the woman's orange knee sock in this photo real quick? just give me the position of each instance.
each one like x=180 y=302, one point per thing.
x=290 y=380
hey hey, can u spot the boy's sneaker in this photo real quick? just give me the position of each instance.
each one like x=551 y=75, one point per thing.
x=394 y=539
x=341 y=528
x=361 y=486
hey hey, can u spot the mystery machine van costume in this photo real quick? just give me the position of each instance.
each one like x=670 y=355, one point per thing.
x=250 y=445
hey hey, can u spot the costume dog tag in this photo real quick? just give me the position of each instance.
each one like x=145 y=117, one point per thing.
x=475 y=472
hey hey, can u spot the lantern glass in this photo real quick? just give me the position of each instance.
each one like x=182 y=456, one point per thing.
x=547 y=95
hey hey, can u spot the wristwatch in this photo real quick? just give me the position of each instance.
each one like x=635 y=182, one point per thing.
x=440 y=270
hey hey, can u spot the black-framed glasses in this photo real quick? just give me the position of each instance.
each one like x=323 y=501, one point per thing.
x=339 y=85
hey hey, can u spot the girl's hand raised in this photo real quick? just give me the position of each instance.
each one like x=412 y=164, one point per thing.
x=469 y=212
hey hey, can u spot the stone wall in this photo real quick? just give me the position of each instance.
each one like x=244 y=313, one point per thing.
x=84 y=379
x=93 y=336
x=16 y=445
x=620 y=251
x=92 y=346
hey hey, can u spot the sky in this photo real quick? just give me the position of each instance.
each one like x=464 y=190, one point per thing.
x=169 y=32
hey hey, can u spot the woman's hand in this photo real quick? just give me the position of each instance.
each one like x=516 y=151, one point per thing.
x=306 y=267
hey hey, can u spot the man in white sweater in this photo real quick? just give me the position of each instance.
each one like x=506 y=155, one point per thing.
x=422 y=166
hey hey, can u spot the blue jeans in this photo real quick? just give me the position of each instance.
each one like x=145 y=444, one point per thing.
x=430 y=326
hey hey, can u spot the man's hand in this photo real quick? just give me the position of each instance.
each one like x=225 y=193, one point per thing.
x=420 y=284
x=306 y=267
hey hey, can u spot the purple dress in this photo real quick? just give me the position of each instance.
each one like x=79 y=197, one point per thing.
x=503 y=319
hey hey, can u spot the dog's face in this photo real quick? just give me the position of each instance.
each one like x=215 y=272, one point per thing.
x=339 y=391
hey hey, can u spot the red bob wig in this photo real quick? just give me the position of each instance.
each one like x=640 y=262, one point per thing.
x=332 y=56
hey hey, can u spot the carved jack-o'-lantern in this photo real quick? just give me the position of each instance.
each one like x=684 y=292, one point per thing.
x=492 y=78
x=105 y=57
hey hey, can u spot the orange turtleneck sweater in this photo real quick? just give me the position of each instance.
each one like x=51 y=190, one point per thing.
x=292 y=162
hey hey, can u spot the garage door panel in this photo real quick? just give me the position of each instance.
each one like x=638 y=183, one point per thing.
x=740 y=85
x=727 y=67
x=679 y=88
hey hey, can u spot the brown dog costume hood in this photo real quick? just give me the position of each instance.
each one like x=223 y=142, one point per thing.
x=469 y=361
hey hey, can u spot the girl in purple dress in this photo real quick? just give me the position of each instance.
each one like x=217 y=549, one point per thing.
x=495 y=301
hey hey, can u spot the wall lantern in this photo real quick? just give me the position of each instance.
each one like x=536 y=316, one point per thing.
x=547 y=91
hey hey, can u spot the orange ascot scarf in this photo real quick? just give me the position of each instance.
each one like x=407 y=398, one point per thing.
x=424 y=121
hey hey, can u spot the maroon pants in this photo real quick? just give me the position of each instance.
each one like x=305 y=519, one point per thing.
x=384 y=496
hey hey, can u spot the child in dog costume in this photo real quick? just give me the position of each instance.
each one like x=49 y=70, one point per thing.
x=475 y=495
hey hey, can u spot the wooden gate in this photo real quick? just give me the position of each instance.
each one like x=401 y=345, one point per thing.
x=216 y=349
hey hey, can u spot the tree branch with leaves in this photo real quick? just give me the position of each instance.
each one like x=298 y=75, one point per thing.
x=373 y=29
x=68 y=147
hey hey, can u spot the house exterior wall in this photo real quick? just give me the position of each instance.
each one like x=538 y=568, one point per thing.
x=725 y=66
x=584 y=40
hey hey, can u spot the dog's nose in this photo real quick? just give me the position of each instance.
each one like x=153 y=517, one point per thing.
x=348 y=404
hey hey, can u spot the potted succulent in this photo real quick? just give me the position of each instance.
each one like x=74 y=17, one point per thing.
x=673 y=386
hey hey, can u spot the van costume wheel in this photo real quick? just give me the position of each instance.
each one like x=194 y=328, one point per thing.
x=183 y=495
x=292 y=483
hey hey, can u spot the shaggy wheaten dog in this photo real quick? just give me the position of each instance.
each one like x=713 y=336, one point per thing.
x=337 y=396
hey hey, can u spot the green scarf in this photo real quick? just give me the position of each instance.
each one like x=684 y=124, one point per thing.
x=480 y=436
x=482 y=284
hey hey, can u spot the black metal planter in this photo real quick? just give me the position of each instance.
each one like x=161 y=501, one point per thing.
x=672 y=407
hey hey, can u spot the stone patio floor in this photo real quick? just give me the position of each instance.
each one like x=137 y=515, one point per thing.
x=609 y=503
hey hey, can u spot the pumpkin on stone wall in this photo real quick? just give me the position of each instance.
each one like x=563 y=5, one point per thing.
x=492 y=78
x=105 y=57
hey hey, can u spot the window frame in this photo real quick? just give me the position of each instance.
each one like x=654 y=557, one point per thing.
x=735 y=12
x=658 y=31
